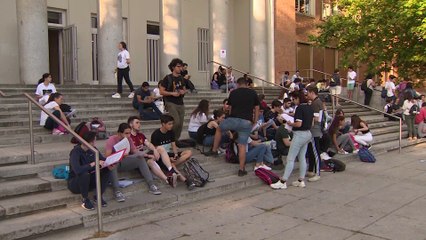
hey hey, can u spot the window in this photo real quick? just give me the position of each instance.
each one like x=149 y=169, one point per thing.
x=56 y=18
x=125 y=32
x=305 y=7
x=153 y=28
x=203 y=48
x=153 y=51
x=328 y=8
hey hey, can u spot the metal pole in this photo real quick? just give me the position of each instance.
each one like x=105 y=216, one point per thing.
x=30 y=116
x=333 y=103
x=400 y=134
x=263 y=88
x=98 y=191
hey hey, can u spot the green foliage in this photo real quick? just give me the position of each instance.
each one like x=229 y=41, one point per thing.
x=380 y=34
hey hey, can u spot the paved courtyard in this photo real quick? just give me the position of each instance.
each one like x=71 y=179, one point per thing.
x=385 y=200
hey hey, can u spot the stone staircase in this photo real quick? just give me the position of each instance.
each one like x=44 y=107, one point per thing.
x=33 y=203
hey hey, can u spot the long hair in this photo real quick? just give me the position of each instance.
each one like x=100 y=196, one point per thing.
x=334 y=127
x=203 y=107
x=356 y=121
x=300 y=94
x=44 y=76
x=218 y=113
x=53 y=96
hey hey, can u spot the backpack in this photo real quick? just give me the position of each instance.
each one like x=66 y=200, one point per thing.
x=384 y=93
x=201 y=133
x=230 y=155
x=335 y=165
x=80 y=129
x=195 y=172
x=61 y=172
x=366 y=156
x=414 y=110
x=364 y=86
x=185 y=143
x=267 y=176
x=98 y=126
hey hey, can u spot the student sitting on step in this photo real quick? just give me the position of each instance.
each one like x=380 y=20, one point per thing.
x=144 y=102
x=362 y=133
x=199 y=116
x=133 y=159
x=53 y=105
x=82 y=177
x=340 y=141
x=156 y=156
x=206 y=134
x=44 y=88
x=165 y=137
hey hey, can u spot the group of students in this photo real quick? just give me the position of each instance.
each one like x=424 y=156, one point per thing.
x=159 y=157
x=404 y=102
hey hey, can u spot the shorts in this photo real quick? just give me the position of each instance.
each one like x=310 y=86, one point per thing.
x=242 y=126
x=337 y=90
x=350 y=86
x=161 y=163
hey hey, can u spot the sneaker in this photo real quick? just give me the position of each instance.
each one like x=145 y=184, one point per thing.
x=299 y=184
x=325 y=156
x=117 y=95
x=409 y=139
x=242 y=173
x=131 y=95
x=190 y=185
x=154 y=190
x=87 y=204
x=314 y=178
x=310 y=174
x=278 y=185
x=172 y=180
x=355 y=151
x=104 y=203
x=211 y=153
x=262 y=166
x=119 y=196
x=57 y=132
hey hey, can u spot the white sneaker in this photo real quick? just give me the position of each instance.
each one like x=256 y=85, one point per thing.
x=314 y=178
x=278 y=185
x=299 y=184
x=262 y=166
x=131 y=95
x=355 y=151
x=117 y=95
x=325 y=156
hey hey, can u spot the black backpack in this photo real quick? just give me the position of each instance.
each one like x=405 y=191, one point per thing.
x=195 y=172
x=364 y=86
x=201 y=133
x=414 y=110
x=230 y=155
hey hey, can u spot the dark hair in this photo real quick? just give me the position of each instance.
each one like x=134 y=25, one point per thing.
x=261 y=96
x=124 y=45
x=276 y=103
x=53 y=96
x=392 y=77
x=203 y=107
x=296 y=80
x=122 y=127
x=218 y=113
x=336 y=70
x=334 y=127
x=297 y=70
x=132 y=118
x=424 y=104
x=185 y=64
x=225 y=101
x=286 y=100
x=165 y=118
x=299 y=95
x=408 y=96
x=356 y=121
x=287 y=73
x=351 y=67
x=174 y=63
x=242 y=80
x=89 y=136
x=339 y=111
x=409 y=85
x=369 y=76
x=44 y=76
x=313 y=89
x=145 y=84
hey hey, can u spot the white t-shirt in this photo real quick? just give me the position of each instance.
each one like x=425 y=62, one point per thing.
x=44 y=91
x=389 y=86
x=407 y=106
x=51 y=107
x=196 y=122
x=122 y=59
x=351 y=76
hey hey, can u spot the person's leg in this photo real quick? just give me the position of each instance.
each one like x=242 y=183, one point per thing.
x=156 y=109
x=181 y=114
x=126 y=76
x=409 y=125
x=147 y=114
x=114 y=179
x=208 y=140
x=80 y=184
x=256 y=153
x=242 y=156
x=156 y=170
x=137 y=161
x=184 y=156
x=120 y=75
x=296 y=144
x=105 y=175
x=268 y=155
x=316 y=161
x=302 y=156
x=50 y=123
x=364 y=139
x=243 y=127
x=173 y=111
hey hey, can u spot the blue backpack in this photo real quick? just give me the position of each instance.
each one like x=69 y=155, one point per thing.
x=61 y=172
x=366 y=156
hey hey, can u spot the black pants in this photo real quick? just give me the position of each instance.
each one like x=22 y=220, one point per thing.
x=50 y=123
x=368 y=94
x=86 y=182
x=314 y=157
x=123 y=73
x=148 y=111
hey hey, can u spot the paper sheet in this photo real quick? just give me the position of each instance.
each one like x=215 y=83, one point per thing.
x=114 y=158
x=123 y=144
x=288 y=118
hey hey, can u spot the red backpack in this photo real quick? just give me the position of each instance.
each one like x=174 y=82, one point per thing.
x=267 y=176
x=80 y=129
x=98 y=126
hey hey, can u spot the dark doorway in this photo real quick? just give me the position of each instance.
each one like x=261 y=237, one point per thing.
x=54 y=55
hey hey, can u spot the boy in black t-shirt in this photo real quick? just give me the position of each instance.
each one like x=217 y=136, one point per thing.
x=165 y=137
x=143 y=101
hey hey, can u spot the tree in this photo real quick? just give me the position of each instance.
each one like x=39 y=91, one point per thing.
x=380 y=34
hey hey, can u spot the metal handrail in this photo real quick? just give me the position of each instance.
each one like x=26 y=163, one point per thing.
x=371 y=108
x=249 y=75
x=82 y=141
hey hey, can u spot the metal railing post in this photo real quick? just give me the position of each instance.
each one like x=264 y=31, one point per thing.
x=98 y=191
x=333 y=104
x=30 y=117
x=400 y=134
x=263 y=88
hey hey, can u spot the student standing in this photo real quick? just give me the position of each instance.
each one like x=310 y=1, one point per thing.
x=351 y=82
x=123 y=69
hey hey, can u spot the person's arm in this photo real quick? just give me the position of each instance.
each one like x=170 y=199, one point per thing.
x=334 y=140
x=127 y=57
x=286 y=142
x=75 y=163
x=174 y=148
x=296 y=124
x=256 y=114
x=363 y=128
x=151 y=147
x=164 y=92
x=63 y=118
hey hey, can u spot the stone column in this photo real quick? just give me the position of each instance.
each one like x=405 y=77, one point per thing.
x=258 y=40
x=270 y=13
x=219 y=33
x=32 y=39
x=110 y=33
x=170 y=34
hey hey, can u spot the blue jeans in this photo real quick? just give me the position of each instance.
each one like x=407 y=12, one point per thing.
x=256 y=153
x=146 y=113
x=298 y=147
x=192 y=135
x=242 y=126
x=209 y=139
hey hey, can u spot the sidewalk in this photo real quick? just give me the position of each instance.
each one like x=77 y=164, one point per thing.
x=384 y=200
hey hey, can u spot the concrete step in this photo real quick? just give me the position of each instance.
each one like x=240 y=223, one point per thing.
x=25 y=186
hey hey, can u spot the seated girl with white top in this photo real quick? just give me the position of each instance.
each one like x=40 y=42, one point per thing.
x=198 y=118
x=44 y=88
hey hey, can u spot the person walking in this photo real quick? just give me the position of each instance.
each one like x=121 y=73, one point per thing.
x=123 y=69
x=173 y=90
x=351 y=82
